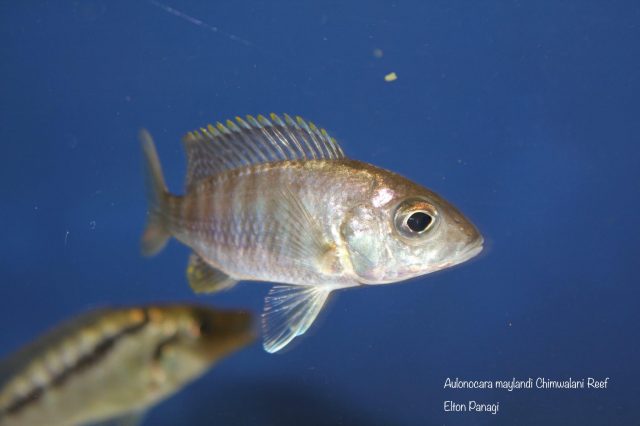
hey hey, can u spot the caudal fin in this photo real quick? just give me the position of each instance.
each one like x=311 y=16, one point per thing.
x=155 y=235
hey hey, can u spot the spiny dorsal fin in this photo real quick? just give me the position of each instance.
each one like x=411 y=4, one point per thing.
x=214 y=149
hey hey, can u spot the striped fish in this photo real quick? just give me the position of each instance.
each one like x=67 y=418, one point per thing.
x=115 y=364
x=277 y=200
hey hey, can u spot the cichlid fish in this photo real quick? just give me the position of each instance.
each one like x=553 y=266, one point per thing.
x=114 y=364
x=277 y=200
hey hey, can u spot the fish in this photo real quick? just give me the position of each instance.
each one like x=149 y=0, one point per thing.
x=114 y=364
x=276 y=200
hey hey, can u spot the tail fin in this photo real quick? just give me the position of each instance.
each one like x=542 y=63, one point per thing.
x=155 y=235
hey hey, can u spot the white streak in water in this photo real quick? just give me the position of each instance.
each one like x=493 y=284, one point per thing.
x=198 y=22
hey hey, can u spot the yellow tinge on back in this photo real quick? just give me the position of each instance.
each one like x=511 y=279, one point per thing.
x=215 y=149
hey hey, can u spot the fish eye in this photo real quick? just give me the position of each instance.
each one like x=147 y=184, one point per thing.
x=206 y=327
x=419 y=221
x=414 y=218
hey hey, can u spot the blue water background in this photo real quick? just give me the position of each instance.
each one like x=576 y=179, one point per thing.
x=526 y=115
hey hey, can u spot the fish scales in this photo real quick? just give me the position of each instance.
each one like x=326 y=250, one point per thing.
x=276 y=200
x=237 y=233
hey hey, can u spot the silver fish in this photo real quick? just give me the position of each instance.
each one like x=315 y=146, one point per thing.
x=277 y=200
x=115 y=364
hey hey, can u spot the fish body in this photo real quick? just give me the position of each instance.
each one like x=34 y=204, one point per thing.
x=115 y=363
x=278 y=201
x=236 y=237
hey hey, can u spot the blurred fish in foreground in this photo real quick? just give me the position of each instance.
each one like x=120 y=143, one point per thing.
x=115 y=364
x=278 y=201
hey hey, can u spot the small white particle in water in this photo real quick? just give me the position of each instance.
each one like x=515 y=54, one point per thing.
x=92 y=224
x=66 y=237
x=392 y=76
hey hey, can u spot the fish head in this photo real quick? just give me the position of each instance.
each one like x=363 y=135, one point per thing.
x=403 y=230
x=200 y=337
x=222 y=332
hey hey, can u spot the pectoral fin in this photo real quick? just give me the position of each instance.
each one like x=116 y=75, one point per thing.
x=299 y=235
x=289 y=311
x=204 y=278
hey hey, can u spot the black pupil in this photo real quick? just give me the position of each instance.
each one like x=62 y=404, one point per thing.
x=418 y=221
x=205 y=327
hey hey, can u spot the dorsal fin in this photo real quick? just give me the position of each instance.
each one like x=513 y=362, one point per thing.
x=214 y=149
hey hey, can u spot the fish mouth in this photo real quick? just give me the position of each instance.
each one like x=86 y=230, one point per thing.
x=473 y=249
x=472 y=252
x=468 y=252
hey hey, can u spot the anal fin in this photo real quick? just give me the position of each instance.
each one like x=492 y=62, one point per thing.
x=289 y=311
x=204 y=278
